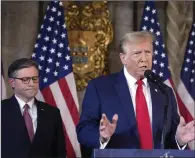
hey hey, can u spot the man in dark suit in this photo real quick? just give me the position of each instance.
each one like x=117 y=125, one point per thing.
x=29 y=128
x=124 y=110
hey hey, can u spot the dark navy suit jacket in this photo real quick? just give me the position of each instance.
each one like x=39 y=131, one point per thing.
x=48 y=140
x=110 y=95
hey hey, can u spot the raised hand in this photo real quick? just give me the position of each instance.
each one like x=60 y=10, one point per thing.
x=107 y=128
x=185 y=132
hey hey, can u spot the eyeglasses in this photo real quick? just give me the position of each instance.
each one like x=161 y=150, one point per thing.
x=26 y=80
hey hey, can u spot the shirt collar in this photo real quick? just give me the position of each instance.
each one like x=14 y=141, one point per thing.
x=131 y=80
x=22 y=103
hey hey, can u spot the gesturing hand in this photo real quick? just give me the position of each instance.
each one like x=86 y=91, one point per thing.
x=107 y=128
x=185 y=132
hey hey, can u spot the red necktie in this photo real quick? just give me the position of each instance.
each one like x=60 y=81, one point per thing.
x=28 y=122
x=143 y=120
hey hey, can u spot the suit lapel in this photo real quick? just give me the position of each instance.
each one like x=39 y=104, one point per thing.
x=157 y=98
x=122 y=90
x=18 y=119
x=157 y=108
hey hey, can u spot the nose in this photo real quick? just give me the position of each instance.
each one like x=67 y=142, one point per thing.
x=31 y=83
x=143 y=56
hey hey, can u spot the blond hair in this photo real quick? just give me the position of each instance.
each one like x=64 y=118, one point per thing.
x=134 y=38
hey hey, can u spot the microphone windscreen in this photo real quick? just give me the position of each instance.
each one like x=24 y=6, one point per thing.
x=147 y=73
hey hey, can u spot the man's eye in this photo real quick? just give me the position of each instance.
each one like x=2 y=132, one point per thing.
x=35 y=78
x=25 y=79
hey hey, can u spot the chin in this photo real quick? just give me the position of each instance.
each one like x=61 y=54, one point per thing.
x=141 y=75
x=31 y=96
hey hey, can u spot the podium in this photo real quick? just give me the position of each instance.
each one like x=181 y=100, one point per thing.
x=131 y=153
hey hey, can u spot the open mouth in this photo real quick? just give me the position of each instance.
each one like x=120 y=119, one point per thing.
x=143 y=67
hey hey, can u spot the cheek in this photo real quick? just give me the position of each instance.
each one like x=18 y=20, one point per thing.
x=133 y=64
x=19 y=89
x=134 y=61
x=36 y=86
x=150 y=60
x=17 y=85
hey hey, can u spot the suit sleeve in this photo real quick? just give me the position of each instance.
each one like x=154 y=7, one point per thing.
x=59 y=149
x=88 y=127
x=170 y=139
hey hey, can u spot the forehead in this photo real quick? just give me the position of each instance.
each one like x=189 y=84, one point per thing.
x=27 y=72
x=139 y=46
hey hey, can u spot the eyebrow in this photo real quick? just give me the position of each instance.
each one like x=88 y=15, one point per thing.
x=25 y=77
x=141 y=51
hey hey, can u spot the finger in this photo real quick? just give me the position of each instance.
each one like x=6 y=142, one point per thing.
x=104 y=116
x=182 y=122
x=192 y=130
x=190 y=124
x=102 y=128
x=114 y=119
x=191 y=134
x=103 y=120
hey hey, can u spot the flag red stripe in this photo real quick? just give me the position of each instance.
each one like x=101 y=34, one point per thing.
x=47 y=94
x=69 y=100
x=69 y=148
x=182 y=108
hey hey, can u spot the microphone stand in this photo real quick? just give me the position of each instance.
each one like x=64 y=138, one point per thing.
x=153 y=78
x=162 y=88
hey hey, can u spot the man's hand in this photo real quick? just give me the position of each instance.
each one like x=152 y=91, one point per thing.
x=185 y=132
x=107 y=128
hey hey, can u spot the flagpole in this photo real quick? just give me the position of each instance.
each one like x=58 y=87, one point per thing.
x=41 y=13
x=135 y=28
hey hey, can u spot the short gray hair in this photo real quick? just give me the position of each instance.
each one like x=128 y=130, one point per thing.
x=135 y=37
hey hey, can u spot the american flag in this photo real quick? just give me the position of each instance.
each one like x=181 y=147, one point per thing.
x=160 y=60
x=186 y=87
x=150 y=23
x=3 y=86
x=57 y=84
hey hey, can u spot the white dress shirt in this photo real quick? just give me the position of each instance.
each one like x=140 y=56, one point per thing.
x=132 y=85
x=131 y=82
x=32 y=110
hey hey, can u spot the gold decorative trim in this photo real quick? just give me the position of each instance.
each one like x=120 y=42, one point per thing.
x=89 y=33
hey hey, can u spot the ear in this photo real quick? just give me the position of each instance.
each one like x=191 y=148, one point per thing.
x=122 y=57
x=11 y=82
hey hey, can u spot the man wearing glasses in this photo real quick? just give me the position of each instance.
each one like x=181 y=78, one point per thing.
x=29 y=128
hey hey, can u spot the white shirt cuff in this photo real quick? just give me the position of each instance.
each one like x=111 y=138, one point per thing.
x=103 y=145
x=180 y=148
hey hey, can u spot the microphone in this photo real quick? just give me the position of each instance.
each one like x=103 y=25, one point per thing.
x=154 y=78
